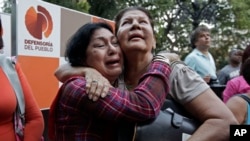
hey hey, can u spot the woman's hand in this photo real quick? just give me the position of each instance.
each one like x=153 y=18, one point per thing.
x=96 y=85
x=166 y=55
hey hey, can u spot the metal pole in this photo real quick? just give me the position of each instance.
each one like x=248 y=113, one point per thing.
x=13 y=28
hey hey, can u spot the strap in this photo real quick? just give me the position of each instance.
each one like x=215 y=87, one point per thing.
x=245 y=98
x=177 y=120
x=248 y=105
x=9 y=69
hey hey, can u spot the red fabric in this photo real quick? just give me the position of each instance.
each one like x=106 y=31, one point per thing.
x=34 y=121
x=52 y=117
x=74 y=117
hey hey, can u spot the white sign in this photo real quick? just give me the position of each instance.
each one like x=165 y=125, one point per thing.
x=38 y=29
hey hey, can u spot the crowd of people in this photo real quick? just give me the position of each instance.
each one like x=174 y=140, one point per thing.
x=113 y=81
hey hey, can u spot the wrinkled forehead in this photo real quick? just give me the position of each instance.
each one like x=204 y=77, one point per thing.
x=135 y=13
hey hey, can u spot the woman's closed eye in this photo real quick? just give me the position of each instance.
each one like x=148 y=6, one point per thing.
x=125 y=22
x=99 y=45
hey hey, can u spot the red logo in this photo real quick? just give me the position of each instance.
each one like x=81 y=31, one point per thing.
x=39 y=23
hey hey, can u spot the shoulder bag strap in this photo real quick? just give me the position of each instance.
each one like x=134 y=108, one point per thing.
x=248 y=110
x=9 y=69
x=245 y=98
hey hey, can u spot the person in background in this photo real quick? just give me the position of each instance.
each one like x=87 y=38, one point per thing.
x=135 y=32
x=239 y=106
x=238 y=84
x=232 y=69
x=75 y=117
x=200 y=58
x=34 y=123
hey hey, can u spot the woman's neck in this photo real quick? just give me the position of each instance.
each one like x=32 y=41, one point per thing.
x=134 y=68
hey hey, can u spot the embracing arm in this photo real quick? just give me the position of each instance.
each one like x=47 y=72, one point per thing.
x=66 y=71
x=143 y=103
x=34 y=124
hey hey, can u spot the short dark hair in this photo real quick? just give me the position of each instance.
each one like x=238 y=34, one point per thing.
x=245 y=69
x=231 y=53
x=196 y=32
x=77 y=45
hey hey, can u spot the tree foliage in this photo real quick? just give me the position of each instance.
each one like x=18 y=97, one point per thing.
x=103 y=8
x=79 y=5
x=241 y=11
x=175 y=19
x=6 y=6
